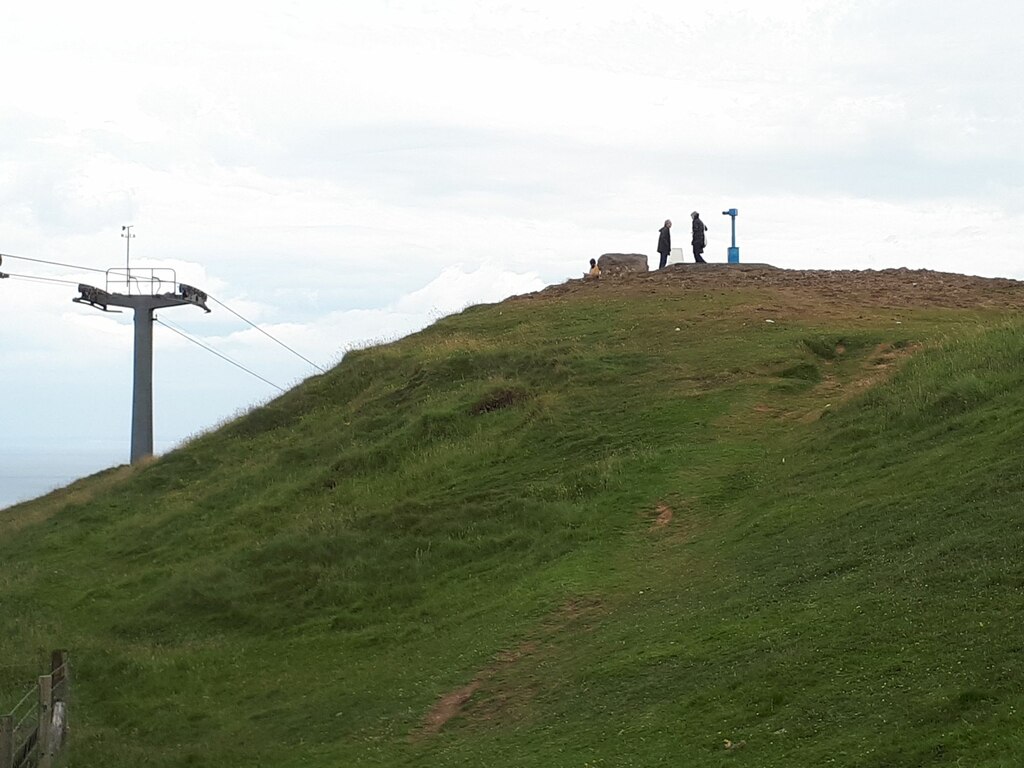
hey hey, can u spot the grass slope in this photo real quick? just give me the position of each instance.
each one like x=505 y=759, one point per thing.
x=610 y=524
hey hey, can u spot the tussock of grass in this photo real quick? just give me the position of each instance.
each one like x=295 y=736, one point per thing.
x=497 y=398
x=802 y=371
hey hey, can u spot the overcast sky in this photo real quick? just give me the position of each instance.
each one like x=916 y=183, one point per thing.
x=343 y=173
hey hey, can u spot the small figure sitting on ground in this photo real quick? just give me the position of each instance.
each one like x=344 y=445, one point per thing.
x=595 y=271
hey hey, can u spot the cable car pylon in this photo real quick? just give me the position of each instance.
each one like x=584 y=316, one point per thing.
x=143 y=302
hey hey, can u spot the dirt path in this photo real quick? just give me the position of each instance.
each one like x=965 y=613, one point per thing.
x=572 y=616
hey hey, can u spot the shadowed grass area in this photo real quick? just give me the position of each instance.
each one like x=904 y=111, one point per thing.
x=616 y=530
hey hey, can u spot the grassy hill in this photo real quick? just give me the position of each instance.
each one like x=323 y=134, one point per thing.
x=619 y=523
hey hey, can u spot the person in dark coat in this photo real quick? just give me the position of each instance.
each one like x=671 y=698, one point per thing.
x=664 y=243
x=699 y=241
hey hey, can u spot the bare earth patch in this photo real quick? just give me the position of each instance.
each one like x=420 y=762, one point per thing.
x=497 y=699
x=663 y=519
x=810 y=293
x=448 y=707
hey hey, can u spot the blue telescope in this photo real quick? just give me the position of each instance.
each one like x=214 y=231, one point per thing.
x=734 y=252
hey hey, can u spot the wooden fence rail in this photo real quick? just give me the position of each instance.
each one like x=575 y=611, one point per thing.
x=36 y=736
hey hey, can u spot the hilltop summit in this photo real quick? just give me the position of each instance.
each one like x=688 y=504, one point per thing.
x=616 y=522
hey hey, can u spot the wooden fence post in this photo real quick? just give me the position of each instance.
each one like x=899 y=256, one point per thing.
x=58 y=660
x=7 y=741
x=45 y=716
x=60 y=671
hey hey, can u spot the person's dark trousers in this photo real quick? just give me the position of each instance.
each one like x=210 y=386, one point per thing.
x=664 y=259
x=697 y=257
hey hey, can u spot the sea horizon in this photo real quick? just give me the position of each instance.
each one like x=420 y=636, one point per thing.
x=32 y=472
x=28 y=472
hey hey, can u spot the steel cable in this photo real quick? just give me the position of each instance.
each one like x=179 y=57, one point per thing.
x=215 y=352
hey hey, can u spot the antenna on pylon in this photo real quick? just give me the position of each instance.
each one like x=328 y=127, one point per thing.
x=126 y=233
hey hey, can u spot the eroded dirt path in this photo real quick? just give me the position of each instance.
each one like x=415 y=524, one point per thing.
x=573 y=615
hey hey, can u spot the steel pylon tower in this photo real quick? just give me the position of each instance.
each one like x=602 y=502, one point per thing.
x=143 y=304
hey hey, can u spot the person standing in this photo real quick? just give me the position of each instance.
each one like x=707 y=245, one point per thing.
x=664 y=243
x=699 y=241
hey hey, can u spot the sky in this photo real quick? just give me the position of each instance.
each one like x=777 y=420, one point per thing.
x=342 y=174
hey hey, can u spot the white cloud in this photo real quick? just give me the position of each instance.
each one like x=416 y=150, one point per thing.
x=455 y=289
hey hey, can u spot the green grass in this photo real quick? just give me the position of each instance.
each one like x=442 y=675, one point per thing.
x=840 y=583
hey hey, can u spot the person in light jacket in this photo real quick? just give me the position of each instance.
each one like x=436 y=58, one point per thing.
x=699 y=241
